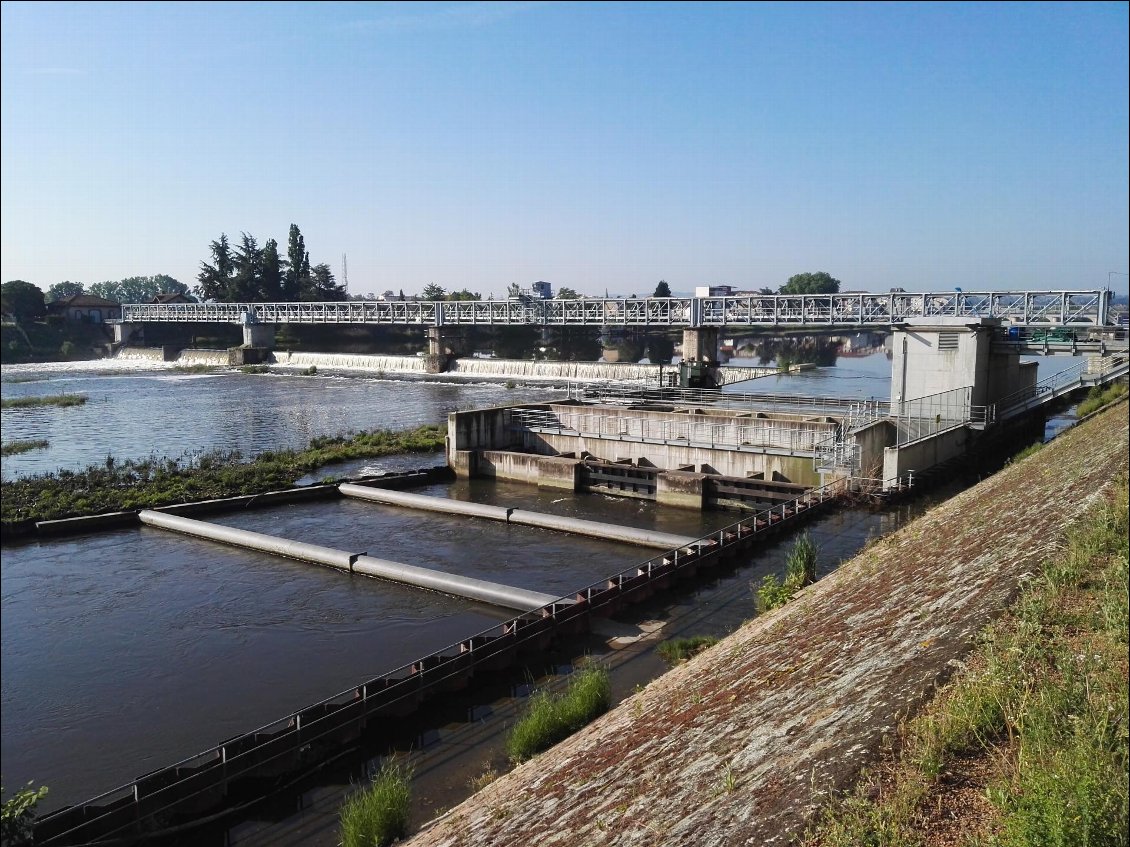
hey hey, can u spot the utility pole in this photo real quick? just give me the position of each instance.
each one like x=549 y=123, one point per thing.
x=344 y=273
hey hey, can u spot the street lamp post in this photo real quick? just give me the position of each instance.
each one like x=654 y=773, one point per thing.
x=1109 y=274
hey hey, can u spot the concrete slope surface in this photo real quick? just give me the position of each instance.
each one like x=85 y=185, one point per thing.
x=744 y=742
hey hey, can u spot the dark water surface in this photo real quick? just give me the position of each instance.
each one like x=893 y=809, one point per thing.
x=123 y=652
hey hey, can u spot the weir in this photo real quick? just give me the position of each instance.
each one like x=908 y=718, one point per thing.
x=521 y=517
x=494 y=593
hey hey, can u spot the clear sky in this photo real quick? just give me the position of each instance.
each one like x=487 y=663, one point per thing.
x=600 y=146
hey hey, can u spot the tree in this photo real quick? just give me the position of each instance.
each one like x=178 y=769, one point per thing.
x=138 y=289
x=513 y=290
x=433 y=292
x=564 y=293
x=246 y=282
x=662 y=289
x=22 y=300
x=214 y=280
x=296 y=280
x=271 y=279
x=464 y=295
x=323 y=286
x=63 y=290
x=811 y=283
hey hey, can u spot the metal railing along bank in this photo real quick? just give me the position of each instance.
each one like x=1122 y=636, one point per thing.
x=199 y=785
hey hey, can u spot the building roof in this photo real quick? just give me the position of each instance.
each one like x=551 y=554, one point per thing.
x=84 y=300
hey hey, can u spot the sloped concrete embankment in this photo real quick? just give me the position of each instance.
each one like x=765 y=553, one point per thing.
x=743 y=743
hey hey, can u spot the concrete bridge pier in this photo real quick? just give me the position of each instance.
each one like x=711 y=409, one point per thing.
x=699 y=368
x=125 y=333
x=259 y=335
x=444 y=345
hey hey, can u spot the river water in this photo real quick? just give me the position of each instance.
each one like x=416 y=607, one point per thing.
x=123 y=652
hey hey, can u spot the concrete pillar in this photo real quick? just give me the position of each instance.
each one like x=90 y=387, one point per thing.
x=259 y=335
x=700 y=344
x=441 y=349
x=123 y=332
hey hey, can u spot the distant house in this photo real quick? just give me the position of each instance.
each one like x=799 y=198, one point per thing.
x=162 y=299
x=85 y=308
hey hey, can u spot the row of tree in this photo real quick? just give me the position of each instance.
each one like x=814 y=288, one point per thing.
x=25 y=301
x=248 y=273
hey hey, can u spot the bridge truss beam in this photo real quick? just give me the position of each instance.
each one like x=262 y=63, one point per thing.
x=1018 y=308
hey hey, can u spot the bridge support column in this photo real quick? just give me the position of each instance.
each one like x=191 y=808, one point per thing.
x=443 y=346
x=699 y=368
x=123 y=333
x=259 y=335
x=933 y=355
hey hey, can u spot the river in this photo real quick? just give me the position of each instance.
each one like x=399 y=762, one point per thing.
x=125 y=651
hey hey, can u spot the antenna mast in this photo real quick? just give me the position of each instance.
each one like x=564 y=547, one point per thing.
x=344 y=273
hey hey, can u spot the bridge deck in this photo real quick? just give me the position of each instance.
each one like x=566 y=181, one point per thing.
x=1019 y=308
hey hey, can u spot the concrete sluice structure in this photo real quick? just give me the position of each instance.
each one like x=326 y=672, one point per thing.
x=236 y=771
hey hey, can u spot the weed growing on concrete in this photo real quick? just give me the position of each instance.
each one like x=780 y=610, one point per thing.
x=675 y=651
x=1098 y=397
x=1043 y=702
x=800 y=570
x=378 y=814
x=551 y=717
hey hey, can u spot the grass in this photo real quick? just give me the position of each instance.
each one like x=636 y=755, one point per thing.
x=120 y=485
x=43 y=400
x=11 y=448
x=378 y=814
x=255 y=369
x=1042 y=704
x=800 y=570
x=1098 y=397
x=675 y=651
x=551 y=717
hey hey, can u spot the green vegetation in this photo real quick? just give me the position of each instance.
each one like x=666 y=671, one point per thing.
x=144 y=484
x=378 y=814
x=550 y=717
x=196 y=369
x=1027 y=451
x=11 y=448
x=1098 y=397
x=675 y=651
x=255 y=369
x=800 y=570
x=18 y=816
x=45 y=400
x=1042 y=704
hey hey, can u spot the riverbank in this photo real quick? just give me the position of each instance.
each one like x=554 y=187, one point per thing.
x=133 y=484
x=749 y=739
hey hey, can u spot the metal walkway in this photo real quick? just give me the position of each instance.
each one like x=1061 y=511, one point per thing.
x=1086 y=308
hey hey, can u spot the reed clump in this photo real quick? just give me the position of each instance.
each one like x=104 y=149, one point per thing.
x=552 y=717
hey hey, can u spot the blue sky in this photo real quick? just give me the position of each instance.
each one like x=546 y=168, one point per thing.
x=600 y=146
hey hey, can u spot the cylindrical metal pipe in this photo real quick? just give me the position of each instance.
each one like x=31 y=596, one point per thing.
x=460 y=586
x=593 y=529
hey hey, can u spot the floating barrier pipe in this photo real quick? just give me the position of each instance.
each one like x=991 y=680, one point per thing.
x=607 y=532
x=460 y=586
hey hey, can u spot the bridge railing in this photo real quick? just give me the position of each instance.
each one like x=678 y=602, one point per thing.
x=1035 y=395
x=1081 y=308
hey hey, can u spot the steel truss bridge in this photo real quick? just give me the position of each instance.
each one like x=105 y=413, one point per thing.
x=1016 y=308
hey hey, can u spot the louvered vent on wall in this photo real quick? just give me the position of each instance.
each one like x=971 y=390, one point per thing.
x=947 y=340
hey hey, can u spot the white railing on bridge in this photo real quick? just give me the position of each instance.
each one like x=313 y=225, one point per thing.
x=1020 y=308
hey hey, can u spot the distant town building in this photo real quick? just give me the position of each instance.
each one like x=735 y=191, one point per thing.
x=85 y=308
x=162 y=299
x=713 y=290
